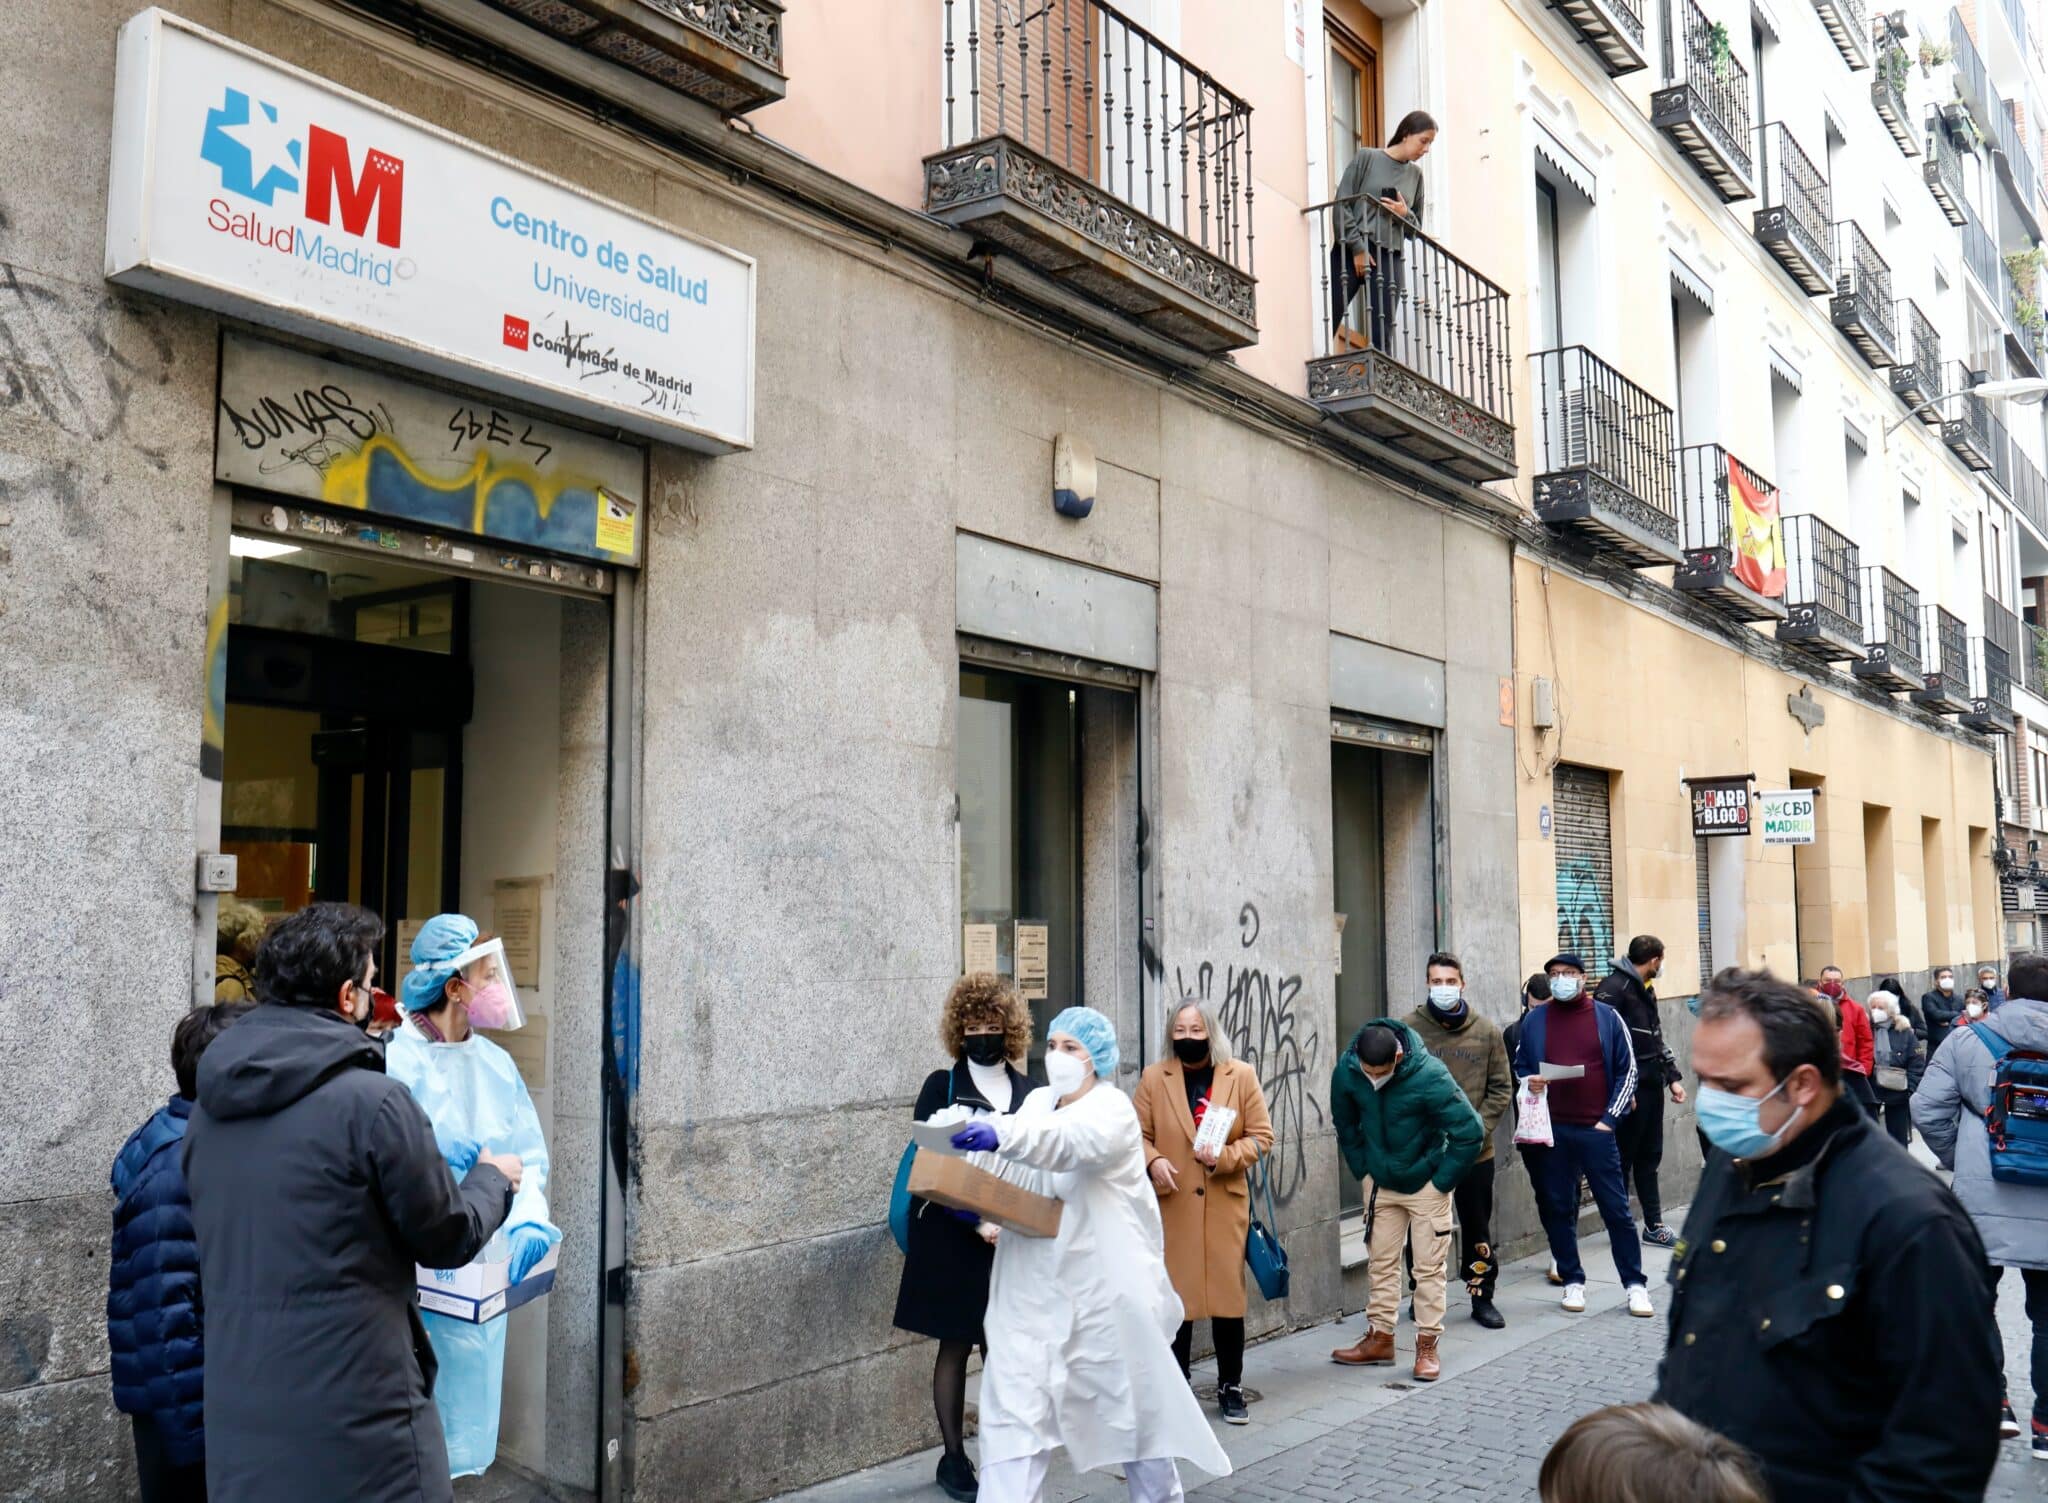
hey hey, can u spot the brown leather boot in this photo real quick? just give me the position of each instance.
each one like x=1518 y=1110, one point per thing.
x=1427 y=1368
x=1374 y=1349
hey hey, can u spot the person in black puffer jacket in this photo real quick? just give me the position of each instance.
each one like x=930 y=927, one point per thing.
x=153 y=1300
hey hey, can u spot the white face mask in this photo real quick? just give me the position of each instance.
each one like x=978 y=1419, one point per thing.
x=1065 y=1072
x=1378 y=1081
x=1446 y=997
x=1975 y=1009
x=1946 y=983
x=1880 y=1015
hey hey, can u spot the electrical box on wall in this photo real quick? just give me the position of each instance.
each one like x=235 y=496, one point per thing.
x=1542 y=704
x=217 y=873
x=1073 y=477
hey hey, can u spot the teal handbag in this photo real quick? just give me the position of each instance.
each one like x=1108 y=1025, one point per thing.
x=1262 y=1249
x=899 y=1197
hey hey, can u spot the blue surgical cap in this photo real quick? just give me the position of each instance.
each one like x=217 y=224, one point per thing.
x=1095 y=1034
x=440 y=940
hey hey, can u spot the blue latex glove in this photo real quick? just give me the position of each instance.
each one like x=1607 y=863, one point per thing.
x=461 y=1155
x=972 y=1218
x=529 y=1245
x=976 y=1137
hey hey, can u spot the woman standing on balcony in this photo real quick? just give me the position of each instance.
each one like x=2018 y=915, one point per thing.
x=1378 y=197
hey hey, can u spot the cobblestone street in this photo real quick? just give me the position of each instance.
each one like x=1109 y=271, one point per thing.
x=1333 y=1434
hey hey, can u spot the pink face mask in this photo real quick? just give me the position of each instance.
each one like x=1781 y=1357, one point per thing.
x=490 y=1005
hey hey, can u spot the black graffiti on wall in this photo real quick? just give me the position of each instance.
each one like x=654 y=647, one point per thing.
x=1256 y=1009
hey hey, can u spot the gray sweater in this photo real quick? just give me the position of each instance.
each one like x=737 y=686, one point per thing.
x=1374 y=175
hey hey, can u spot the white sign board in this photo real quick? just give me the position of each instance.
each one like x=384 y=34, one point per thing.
x=1789 y=818
x=253 y=188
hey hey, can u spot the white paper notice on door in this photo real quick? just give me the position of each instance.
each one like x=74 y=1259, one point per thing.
x=1033 y=945
x=977 y=948
x=516 y=912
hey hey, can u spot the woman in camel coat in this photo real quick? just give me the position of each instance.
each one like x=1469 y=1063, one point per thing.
x=1205 y=1204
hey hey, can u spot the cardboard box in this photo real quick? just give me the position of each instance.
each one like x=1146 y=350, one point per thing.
x=480 y=1291
x=948 y=1181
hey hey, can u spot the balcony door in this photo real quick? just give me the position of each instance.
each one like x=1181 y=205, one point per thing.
x=1354 y=84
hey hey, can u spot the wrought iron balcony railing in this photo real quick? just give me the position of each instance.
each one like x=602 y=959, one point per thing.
x=1603 y=458
x=2001 y=628
x=1943 y=169
x=1966 y=419
x=1916 y=379
x=1613 y=29
x=1891 y=632
x=1704 y=105
x=1980 y=252
x=1422 y=337
x=1796 y=223
x=1848 y=28
x=1862 y=307
x=1990 y=689
x=1084 y=145
x=2001 y=452
x=1888 y=91
x=727 y=53
x=1823 y=590
x=1731 y=550
x=2028 y=488
x=1947 y=639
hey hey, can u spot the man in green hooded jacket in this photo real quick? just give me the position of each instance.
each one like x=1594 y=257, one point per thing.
x=1404 y=1123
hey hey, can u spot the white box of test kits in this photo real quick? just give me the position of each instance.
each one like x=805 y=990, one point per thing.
x=480 y=1291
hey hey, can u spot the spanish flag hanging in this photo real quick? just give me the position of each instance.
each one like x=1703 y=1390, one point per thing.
x=1758 y=534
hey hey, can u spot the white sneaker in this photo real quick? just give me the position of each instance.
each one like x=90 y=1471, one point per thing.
x=1552 y=1274
x=1639 y=1301
x=1575 y=1298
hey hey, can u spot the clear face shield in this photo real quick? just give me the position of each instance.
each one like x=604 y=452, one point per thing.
x=483 y=983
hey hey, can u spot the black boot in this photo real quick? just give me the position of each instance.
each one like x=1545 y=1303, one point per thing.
x=956 y=1477
x=1486 y=1313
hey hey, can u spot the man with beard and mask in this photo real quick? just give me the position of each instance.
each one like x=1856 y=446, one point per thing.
x=1940 y=1007
x=1402 y=1123
x=1630 y=989
x=317 y=1187
x=1472 y=1049
x=1830 y=1309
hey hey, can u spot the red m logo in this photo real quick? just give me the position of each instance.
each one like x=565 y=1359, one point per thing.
x=382 y=186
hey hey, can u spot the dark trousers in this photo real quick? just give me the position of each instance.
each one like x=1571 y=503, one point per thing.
x=1640 y=1136
x=1594 y=1154
x=160 y=1481
x=1382 y=282
x=1229 y=1333
x=1473 y=1199
x=2036 y=1280
x=1896 y=1111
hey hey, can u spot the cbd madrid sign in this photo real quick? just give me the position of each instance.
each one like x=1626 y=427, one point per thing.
x=250 y=187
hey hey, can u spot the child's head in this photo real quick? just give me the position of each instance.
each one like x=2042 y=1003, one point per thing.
x=198 y=1028
x=1647 y=1453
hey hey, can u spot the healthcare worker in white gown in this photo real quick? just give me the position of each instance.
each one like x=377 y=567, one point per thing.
x=472 y=1094
x=1080 y=1326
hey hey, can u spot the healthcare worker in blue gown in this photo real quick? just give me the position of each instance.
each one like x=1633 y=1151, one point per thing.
x=472 y=1093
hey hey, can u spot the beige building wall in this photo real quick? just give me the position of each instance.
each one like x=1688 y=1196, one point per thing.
x=1653 y=701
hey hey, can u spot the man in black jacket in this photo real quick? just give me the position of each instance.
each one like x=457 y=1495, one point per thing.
x=316 y=1187
x=1629 y=989
x=1941 y=1007
x=1824 y=1287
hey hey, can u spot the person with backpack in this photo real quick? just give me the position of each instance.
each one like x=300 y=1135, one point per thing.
x=1965 y=1108
x=985 y=1029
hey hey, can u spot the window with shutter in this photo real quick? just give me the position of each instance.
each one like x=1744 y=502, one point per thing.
x=1583 y=833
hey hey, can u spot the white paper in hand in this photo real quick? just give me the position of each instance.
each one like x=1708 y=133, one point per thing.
x=1215 y=1129
x=1550 y=1071
x=935 y=1133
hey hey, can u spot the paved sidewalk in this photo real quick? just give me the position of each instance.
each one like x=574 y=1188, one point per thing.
x=1331 y=1434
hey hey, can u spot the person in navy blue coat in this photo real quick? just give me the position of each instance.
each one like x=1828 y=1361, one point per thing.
x=153 y=1300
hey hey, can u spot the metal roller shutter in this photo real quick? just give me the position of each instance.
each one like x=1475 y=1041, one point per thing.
x=1585 y=864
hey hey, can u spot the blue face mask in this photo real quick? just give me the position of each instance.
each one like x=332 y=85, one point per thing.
x=1730 y=1122
x=1564 y=988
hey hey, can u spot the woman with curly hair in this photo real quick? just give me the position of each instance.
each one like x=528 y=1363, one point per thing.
x=986 y=1030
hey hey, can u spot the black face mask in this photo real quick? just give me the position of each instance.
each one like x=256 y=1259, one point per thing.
x=1191 y=1051
x=987 y=1048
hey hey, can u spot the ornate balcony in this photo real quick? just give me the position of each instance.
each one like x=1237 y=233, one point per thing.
x=1704 y=105
x=1733 y=555
x=1422 y=358
x=1947 y=689
x=1916 y=379
x=1888 y=88
x=1862 y=305
x=727 y=53
x=1966 y=425
x=1613 y=29
x=1085 y=147
x=1990 y=709
x=1891 y=633
x=1823 y=591
x=1603 y=459
x=1796 y=223
x=1943 y=169
x=1848 y=29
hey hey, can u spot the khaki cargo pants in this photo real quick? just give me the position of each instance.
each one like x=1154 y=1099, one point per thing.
x=1422 y=1222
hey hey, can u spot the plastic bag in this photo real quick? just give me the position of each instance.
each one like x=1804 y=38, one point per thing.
x=1532 y=1119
